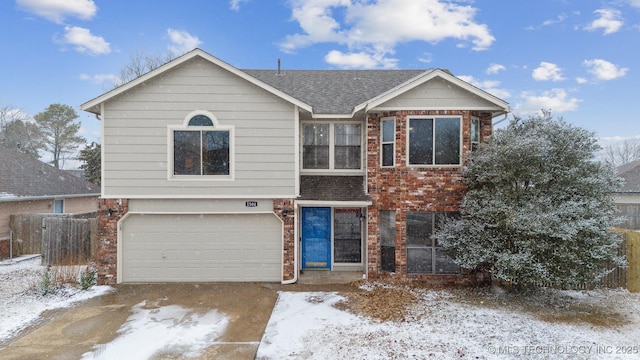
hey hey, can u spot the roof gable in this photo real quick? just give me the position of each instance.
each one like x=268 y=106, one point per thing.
x=23 y=176
x=93 y=105
x=324 y=92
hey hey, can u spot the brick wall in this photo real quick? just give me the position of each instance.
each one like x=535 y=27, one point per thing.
x=288 y=263
x=108 y=238
x=403 y=189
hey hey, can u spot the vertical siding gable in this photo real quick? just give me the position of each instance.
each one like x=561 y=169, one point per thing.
x=136 y=134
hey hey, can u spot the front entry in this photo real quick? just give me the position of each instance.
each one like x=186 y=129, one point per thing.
x=316 y=238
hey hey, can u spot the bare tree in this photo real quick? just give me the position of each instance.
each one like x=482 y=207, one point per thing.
x=139 y=64
x=18 y=132
x=622 y=153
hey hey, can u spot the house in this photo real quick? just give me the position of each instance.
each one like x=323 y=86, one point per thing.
x=628 y=197
x=212 y=173
x=29 y=186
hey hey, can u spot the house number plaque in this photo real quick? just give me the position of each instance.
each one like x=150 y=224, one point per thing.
x=251 y=204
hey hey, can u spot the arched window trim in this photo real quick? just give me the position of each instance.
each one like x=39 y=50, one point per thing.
x=184 y=126
x=195 y=113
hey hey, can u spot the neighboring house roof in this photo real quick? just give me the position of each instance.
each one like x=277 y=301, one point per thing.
x=630 y=173
x=22 y=176
x=320 y=92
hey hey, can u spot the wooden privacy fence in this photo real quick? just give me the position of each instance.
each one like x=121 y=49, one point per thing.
x=61 y=239
x=632 y=251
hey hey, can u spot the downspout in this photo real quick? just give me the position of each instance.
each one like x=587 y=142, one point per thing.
x=295 y=248
x=506 y=115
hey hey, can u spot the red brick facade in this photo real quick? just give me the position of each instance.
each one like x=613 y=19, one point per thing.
x=110 y=211
x=408 y=188
x=280 y=207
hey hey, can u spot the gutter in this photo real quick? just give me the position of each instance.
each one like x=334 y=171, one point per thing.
x=45 y=197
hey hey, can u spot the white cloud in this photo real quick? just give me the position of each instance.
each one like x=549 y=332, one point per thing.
x=358 y=60
x=99 y=78
x=604 y=70
x=609 y=21
x=182 y=41
x=495 y=68
x=556 y=100
x=581 y=80
x=547 y=71
x=58 y=10
x=375 y=28
x=634 y=3
x=235 y=4
x=85 y=42
x=490 y=86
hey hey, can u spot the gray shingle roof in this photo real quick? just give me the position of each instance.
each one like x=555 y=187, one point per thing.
x=24 y=176
x=630 y=172
x=334 y=91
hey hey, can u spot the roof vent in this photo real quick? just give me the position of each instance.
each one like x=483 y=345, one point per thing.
x=279 y=73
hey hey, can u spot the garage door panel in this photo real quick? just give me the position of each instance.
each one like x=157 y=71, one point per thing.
x=168 y=248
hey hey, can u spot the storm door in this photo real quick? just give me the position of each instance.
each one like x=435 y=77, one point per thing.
x=316 y=238
x=347 y=238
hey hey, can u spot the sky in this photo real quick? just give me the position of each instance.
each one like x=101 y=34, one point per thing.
x=578 y=58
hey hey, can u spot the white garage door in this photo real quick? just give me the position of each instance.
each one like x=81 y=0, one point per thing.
x=172 y=248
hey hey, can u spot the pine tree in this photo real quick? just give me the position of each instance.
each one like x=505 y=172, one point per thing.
x=91 y=162
x=539 y=207
x=60 y=132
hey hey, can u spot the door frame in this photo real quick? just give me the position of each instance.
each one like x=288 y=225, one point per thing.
x=361 y=266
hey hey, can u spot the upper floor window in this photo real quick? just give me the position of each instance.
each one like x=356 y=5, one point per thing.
x=202 y=147
x=388 y=140
x=434 y=141
x=332 y=146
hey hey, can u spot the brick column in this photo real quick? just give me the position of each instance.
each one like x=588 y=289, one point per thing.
x=110 y=211
x=289 y=240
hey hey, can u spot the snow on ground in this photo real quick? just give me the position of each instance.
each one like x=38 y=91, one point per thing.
x=151 y=331
x=20 y=303
x=440 y=325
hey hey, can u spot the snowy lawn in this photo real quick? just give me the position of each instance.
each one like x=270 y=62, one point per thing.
x=22 y=299
x=393 y=321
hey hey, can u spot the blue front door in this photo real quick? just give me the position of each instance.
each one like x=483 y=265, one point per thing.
x=316 y=238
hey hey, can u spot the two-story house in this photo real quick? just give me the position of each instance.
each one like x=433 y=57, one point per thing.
x=212 y=173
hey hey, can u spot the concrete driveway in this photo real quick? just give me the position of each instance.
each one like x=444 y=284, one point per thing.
x=70 y=333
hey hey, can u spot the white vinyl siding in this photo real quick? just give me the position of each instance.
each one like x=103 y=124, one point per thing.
x=439 y=94
x=136 y=150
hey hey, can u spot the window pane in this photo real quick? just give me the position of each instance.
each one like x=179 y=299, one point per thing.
x=447 y=141
x=347 y=236
x=475 y=130
x=315 y=150
x=421 y=141
x=419 y=261
x=387 y=155
x=419 y=228
x=388 y=130
x=444 y=264
x=388 y=240
x=215 y=152
x=186 y=153
x=347 y=146
x=58 y=206
x=388 y=228
x=200 y=120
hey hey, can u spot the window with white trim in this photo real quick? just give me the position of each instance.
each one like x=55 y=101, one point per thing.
x=331 y=146
x=434 y=141
x=475 y=133
x=424 y=256
x=201 y=148
x=388 y=142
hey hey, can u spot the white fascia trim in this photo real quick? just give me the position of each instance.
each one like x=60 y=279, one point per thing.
x=416 y=108
x=321 y=203
x=333 y=116
x=91 y=104
x=45 y=197
x=239 y=197
x=296 y=156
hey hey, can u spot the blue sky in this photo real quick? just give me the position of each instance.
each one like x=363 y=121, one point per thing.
x=579 y=58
